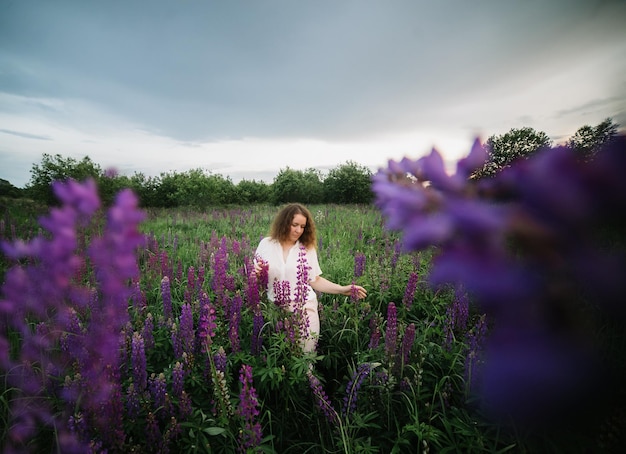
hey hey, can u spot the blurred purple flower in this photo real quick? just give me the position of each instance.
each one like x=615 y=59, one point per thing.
x=251 y=435
x=353 y=387
x=322 y=400
x=538 y=247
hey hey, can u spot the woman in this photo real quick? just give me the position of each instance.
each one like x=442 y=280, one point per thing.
x=292 y=243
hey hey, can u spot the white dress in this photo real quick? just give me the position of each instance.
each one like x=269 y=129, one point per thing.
x=281 y=269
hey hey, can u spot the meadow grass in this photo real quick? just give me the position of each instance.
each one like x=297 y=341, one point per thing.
x=385 y=391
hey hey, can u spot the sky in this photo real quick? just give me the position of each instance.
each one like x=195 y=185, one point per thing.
x=247 y=88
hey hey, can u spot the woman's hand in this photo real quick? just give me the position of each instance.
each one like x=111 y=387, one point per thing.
x=355 y=291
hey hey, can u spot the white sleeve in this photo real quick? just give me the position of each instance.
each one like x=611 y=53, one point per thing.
x=314 y=264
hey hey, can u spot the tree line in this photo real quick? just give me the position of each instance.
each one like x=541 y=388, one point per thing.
x=348 y=183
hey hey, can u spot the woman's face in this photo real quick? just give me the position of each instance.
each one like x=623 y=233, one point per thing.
x=298 y=223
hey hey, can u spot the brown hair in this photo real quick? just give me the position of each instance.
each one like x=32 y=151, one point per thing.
x=282 y=225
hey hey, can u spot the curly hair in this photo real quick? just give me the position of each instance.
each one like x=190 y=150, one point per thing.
x=282 y=224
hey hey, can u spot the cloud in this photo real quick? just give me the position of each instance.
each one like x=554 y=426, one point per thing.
x=24 y=135
x=114 y=80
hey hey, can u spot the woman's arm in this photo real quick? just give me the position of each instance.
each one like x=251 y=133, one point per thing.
x=323 y=285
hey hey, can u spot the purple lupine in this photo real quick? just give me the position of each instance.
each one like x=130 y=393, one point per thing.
x=359 y=264
x=475 y=339
x=282 y=294
x=158 y=389
x=526 y=243
x=138 y=362
x=407 y=343
x=206 y=324
x=200 y=280
x=45 y=289
x=221 y=360
x=354 y=292
x=374 y=333
x=185 y=406
x=190 y=291
x=409 y=292
x=138 y=297
x=457 y=315
x=391 y=332
x=251 y=435
x=321 y=399
x=353 y=387
x=220 y=277
x=178 y=379
x=153 y=432
x=133 y=404
x=166 y=295
x=301 y=291
x=263 y=276
x=186 y=330
x=177 y=340
x=147 y=333
x=234 y=319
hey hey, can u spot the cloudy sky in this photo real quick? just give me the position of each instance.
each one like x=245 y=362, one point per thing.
x=246 y=88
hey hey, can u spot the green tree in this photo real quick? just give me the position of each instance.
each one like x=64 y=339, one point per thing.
x=297 y=186
x=516 y=144
x=195 y=188
x=252 y=191
x=8 y=190
x=588 y=139
x=349 y=183
x=57 y=167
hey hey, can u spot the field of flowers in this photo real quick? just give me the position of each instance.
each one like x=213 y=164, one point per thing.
x=126 y=331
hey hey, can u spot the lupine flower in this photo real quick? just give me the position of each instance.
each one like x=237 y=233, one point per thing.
x=147 y=333
x=409 y=292
x=282 y=294
x=166 y=295
x=153 y=432
x=191 y=284
x=359 y=264
x=133 y=405
x=185 y=406
x=525 y=245
x=158 y=389
x=407 y=343
x=353 y=387
x=263 y=276
x=391 y=333
x=220 y=360
x=138 y=362
x=206 y=324
x=223 y=406
x=456 y=317
x=186 y=330
x=45 y=290
x=251 y=435
x=354 y=292
x=374 y=333
x=177 y=340
x=178 y=379
x=322 y=400
x=233 y=322
x=302 y=274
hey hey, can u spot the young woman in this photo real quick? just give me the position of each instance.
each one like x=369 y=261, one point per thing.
x=291 y=243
